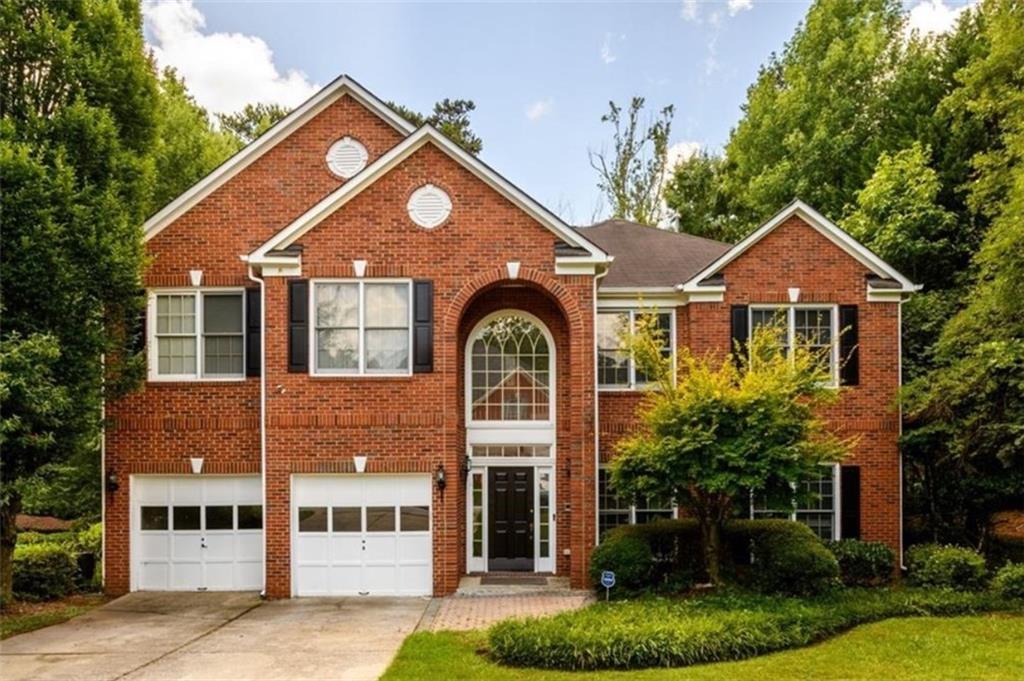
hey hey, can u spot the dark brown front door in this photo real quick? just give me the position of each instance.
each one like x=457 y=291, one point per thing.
x=510 y=506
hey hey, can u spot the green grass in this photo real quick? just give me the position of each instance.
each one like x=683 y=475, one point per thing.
x=976 y=647
x=22 y=617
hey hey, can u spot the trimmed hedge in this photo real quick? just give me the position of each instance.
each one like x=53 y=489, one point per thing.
x=43 y=571
x=863 y=563
x=1009 y=580
x=947 y=567
x=787 y=557
x=673 y=633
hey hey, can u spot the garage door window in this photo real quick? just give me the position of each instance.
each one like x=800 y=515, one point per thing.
x=219 y=518
x=250 y=517
x=154 y=517
x=186 y=517
x=380 y=518
x=347 y=519
x=414 y=518
x=312 y=519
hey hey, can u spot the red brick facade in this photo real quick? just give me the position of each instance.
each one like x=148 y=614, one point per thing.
x=416 y=423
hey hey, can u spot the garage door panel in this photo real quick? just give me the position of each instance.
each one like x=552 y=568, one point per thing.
x=155 y=546
x=414 y=580
x=186 y=576
x=380 y=549
x=314 y=580
x=154 y=576
x=249 y=545
x=219 y=547
x=313 y=548
x=186 y=492
x=413 y=548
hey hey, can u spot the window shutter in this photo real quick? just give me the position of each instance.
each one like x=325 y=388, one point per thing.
x=849 y=490
x=740 y=330
x=253 y=320
x=849 y=351
x=298 y=325
x=423 y=327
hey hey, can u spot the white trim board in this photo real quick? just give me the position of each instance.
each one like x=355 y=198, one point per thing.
x=425 y=135
x=338 y=88
x=826 y=227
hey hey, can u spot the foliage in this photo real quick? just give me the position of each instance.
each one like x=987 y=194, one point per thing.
x=187 y=145
x=725 y=427
x=948 y=567
x=451 y=118
x=627 y=555
x=252 y=121
x=863 y=563
x=43 y=571
x=726 y=626
x=25 y=617
x=64 y=489
x=1009 y=580
x=631 y=177
x=787 y=558
x=698 y=200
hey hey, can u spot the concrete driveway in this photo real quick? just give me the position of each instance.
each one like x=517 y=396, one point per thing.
x=217 y=636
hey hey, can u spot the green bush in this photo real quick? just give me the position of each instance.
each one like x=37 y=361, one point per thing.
x=627 y=555
x=659 y=632
x=787 y=558
x=863 y=563
x=948 y=567
x=43 y=571
x=1009 y=580
x=25 y=538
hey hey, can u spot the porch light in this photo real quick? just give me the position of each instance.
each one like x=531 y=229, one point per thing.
x=467 y=462
x=441 y=478
x=112 y=482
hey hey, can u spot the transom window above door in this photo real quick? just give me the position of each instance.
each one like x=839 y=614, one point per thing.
x=510 y=371
x=362 y=327
x=196 y=335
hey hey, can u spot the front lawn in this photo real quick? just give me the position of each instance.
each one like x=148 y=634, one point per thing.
x=22 y=616
x=977 y=647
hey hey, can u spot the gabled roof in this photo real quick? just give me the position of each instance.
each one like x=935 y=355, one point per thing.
x=824 y=226
x=426 y=135
x=648 y=256
x=340 y=87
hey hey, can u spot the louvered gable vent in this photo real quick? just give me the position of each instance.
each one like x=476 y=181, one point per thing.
x=346 y=157
x=429 y=206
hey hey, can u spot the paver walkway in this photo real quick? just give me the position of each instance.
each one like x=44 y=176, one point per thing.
x=477 y=612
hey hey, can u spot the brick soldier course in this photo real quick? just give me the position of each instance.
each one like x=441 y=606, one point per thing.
x=417 y=423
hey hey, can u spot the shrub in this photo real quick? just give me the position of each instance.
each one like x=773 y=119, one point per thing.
x=949 y=567
x=626 y=554
x=1009 y=580
x=863 y=563
x=787 y=557
x=43 y=571
x=25 y=538
x=726 y=626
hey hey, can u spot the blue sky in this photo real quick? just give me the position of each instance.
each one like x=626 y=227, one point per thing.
x=541 y=74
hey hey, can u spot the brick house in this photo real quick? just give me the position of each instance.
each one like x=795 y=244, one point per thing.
x=375 y=366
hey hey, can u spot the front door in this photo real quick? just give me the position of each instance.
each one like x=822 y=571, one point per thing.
x=510 y=501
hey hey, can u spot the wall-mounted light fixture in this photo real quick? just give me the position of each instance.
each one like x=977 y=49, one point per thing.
x=111 y=481
x=440 y=478
x=467 y=463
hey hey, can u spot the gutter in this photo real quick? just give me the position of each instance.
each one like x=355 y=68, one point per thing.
x=263 y=415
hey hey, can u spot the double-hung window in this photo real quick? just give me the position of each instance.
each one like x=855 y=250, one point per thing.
x=811 y=327
x=197 y=335
x=362 y=327
x=614 y=510
x=815 y=504
x=615 y=367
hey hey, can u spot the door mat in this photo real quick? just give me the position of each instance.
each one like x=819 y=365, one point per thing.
x=513 y=580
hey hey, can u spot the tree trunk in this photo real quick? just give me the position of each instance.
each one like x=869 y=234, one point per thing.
x=10 y=506
x=711 y=538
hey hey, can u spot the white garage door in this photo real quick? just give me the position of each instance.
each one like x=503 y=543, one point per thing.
x=197 y=533
x=362 y=535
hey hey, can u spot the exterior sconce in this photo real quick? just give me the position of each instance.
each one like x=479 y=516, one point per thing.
x=467 y=462
x=112 y=482
x=440 y=478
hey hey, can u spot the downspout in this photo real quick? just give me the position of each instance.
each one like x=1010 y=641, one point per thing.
x=899 y=398
x=103 y=473
x=263 y=416
x=597 y=418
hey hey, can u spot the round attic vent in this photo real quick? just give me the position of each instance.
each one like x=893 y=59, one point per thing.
x=429 y=206
x=346 y=157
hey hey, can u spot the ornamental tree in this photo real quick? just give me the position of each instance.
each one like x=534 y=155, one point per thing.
x=721 y=428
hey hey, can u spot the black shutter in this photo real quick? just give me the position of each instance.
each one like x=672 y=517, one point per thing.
x=423 y=327
x=298 y=326
x=849 y=351
x=849 y=490
x=253 y=320
x=740 y=331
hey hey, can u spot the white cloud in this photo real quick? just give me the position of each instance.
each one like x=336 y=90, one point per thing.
x=607 y=56
x=539 y=109
x=223 y=71
x=934 y=16
x=679 y=152
x=737 y=6
x=690 y=11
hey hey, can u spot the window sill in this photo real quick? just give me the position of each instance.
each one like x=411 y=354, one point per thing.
x=159 y=380
x=360 y=377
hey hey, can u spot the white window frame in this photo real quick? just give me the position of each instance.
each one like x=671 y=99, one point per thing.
x=360 y=371
x=794 y=515
x=152 y=344
x=633 y=313
x=791 y=309
x=632 y=508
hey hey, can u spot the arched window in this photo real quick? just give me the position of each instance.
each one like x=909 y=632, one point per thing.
x=510 y=371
